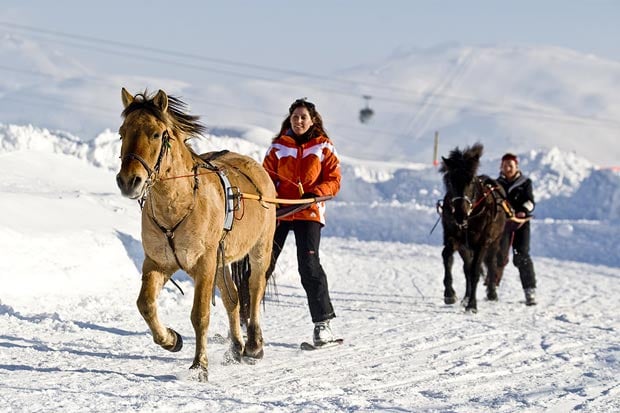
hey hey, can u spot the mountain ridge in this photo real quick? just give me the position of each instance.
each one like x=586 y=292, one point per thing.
x=512 y=98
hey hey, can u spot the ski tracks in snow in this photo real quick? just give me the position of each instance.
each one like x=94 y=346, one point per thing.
x=404 y=349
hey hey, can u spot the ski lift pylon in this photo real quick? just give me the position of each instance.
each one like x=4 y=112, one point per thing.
x=366 y=113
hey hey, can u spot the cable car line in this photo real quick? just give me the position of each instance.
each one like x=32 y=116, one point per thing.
x=492 y=108
x=393 y=89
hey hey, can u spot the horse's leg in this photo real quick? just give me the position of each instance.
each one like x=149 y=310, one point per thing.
x=152 y=282
x=449 y=296
x=466 y=256
x=476 y=269
x=503 y=251
x=203 y=274
x=260 y=257
x=492 y=272
x=228 y=292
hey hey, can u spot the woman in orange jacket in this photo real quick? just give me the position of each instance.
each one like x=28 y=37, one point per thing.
x=302 y=162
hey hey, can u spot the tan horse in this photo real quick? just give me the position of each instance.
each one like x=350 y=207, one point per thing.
x=185 y=212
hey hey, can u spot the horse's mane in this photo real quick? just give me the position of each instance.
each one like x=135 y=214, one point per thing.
x=175 y=116
x=466 y=162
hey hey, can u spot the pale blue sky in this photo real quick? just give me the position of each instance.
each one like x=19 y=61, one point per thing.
x=321 y=36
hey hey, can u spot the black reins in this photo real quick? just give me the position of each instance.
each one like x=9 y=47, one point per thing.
x=471 y=205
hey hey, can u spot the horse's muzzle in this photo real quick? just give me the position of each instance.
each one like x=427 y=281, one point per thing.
x=130 y=187
x=462 y=226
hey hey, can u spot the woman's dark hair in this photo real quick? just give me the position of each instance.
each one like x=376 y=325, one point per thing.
x=316 y=129
x=510 y=157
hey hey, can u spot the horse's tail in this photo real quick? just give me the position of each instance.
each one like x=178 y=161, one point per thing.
x=240 y=271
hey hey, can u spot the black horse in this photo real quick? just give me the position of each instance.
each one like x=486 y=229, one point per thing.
x=473 y=221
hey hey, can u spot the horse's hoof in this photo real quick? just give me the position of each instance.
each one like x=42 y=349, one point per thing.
x=471 y=310
x=450 y=300
x=492 y=295
x=254 y=344
x=236 y=351
x=200 y=373
x=256 y=355
x=178 y=343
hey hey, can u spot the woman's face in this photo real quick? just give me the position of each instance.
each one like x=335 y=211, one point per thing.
x=509 y=168
x=301 y=120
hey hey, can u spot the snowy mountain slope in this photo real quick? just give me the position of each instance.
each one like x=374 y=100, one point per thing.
x=24 y=53
x=512 y=98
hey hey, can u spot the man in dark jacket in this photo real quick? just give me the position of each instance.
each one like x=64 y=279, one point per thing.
x=518 y=188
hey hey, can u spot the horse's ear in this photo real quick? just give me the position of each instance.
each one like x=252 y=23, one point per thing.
x=126 y=97
x=443 y=168
x=477 y=150
x=161 y=100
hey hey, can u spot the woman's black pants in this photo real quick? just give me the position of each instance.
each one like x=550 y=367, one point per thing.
x=313 y=278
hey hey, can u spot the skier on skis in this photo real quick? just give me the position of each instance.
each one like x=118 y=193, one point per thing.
x=303 y=163
x=518 y=188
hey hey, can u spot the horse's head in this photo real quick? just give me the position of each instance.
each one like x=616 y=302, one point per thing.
x=150 y=124
x=459 y=176
x=144 y=134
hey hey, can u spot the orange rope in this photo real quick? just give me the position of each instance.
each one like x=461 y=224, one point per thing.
x=260 y=197
x=280 y=176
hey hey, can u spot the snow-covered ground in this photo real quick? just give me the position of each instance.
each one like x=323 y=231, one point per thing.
x=71 y=338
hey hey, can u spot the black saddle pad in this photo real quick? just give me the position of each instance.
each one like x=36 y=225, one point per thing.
x=210 y=156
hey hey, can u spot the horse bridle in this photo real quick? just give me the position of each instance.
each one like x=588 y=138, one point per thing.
x=152 y=173
x=471 y=206
x=466 y=199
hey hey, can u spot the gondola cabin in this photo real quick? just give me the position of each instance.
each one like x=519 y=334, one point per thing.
x=366 y=113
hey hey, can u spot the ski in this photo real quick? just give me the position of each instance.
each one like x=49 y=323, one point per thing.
x=310 y=347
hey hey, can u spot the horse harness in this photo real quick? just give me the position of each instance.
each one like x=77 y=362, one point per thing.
x=231 y=197
x=489 y=189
